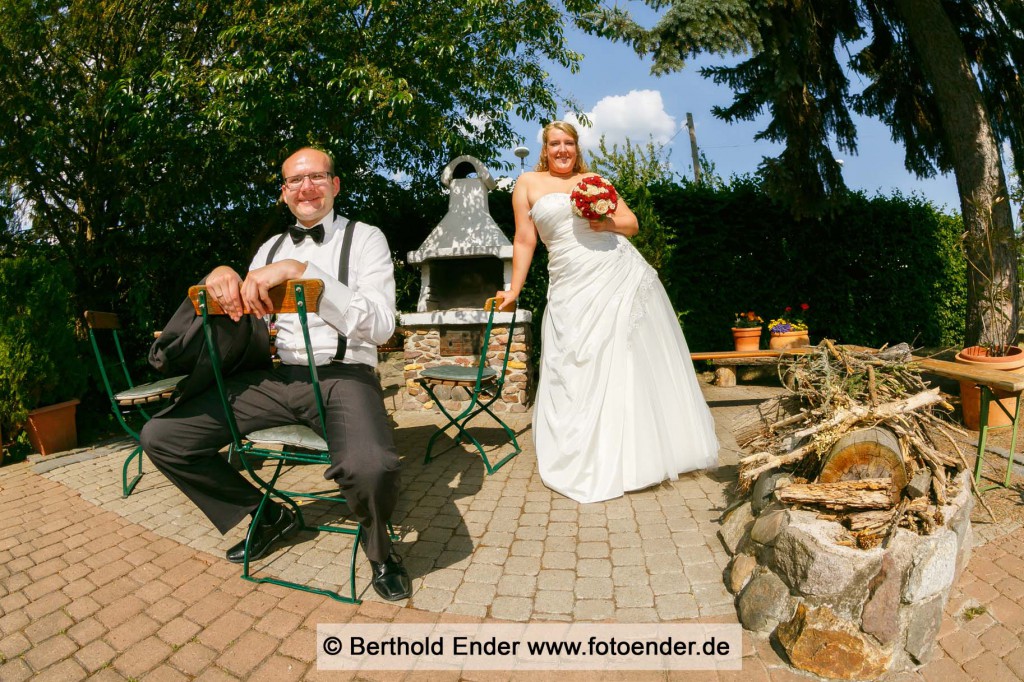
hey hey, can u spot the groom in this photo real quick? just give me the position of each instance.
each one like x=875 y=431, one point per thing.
x=357 y=313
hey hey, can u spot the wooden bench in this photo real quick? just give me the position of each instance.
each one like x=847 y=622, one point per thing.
x=726 y=361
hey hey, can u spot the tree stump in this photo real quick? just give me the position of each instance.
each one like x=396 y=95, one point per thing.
x=866 y=453
x=725 y=377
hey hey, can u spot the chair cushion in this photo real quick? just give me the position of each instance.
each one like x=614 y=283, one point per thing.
x=292 y=435
x=151 y=392
x=457 y=373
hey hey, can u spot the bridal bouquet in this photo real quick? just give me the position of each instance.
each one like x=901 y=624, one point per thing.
x=594 y=198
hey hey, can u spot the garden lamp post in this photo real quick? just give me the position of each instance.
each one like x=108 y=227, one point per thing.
x=522 y=153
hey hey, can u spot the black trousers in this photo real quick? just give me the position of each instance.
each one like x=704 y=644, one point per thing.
x=183 y=443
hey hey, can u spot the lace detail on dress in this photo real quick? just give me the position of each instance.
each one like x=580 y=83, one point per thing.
x=640 y=302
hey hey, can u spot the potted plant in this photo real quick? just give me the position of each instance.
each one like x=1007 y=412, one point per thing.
x=789 y=330
x=42 y=371
x=746 y=331
x=1011 y=359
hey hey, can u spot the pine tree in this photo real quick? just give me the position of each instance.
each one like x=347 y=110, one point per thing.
x=942 y=74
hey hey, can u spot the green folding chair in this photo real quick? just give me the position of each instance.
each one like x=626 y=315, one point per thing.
x=128 y=399
x=990 y=397
x=483 y=383
x=298 y=443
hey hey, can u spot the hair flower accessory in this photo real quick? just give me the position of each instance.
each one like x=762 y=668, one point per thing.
x=594 y=198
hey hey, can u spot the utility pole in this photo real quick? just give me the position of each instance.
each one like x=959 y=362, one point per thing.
x=693 y=148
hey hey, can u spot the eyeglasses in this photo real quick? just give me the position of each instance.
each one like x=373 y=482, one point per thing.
x=295 y=181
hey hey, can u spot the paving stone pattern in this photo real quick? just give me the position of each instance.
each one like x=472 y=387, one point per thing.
x=95 y=586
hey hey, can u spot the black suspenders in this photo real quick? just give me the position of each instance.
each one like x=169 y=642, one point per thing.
x=343 y=259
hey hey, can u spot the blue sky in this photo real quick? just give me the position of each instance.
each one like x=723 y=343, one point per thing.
x=622 y=99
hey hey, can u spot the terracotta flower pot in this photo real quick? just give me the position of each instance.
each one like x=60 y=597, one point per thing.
x=784 y=340
x=970 y=394
x=746 y=338
x=52 y=428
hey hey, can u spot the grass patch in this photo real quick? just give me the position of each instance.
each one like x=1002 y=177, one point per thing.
x=972 y=612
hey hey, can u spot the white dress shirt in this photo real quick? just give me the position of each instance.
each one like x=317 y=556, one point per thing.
x=364 y=311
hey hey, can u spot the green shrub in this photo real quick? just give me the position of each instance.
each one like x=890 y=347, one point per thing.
x=884 y=269
x=41 y=362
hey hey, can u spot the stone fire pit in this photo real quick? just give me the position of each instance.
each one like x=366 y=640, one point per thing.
x=839 y=611
x=465 y=259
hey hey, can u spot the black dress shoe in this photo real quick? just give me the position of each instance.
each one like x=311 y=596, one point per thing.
x=390 y=579
x=264 y=535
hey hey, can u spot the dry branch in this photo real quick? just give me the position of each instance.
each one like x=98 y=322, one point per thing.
x=768 y=462
x=870 y=493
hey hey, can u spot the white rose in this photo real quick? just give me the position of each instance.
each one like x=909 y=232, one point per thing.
x=602 y=206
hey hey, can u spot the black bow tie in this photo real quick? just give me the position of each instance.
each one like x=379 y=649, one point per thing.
x=300 y=233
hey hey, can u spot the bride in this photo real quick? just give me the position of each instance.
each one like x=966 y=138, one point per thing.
x=618 y=406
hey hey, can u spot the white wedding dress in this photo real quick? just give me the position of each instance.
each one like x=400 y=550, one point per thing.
x=618 y=405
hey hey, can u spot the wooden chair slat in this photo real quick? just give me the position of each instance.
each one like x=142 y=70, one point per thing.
x=282 y=297
x=145 y=400
x=99 y=320
x=492 y=301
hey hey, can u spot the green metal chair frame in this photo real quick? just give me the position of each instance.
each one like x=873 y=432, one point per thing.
x=134 y=398
x=299 y=444
x=484 y=384
x=988 y=398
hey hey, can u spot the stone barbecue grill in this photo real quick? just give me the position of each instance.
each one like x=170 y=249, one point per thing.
x=464 y=260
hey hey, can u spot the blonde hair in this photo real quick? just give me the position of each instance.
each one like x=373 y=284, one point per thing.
x=580 y=166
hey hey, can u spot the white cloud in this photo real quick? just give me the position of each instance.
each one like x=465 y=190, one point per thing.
x=638 y=115
x=505 y=183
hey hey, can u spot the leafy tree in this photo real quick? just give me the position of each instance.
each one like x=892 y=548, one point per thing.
x=942 y=74
x=147 y=137
x=634 y=170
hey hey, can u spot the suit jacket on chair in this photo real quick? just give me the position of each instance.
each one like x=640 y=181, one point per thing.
x=181 y=349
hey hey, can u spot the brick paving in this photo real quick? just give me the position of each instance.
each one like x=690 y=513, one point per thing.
x=96 y=587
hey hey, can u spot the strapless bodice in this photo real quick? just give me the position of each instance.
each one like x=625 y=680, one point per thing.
x=562 y=231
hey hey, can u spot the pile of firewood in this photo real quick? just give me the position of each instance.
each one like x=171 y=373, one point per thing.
x=860 y=437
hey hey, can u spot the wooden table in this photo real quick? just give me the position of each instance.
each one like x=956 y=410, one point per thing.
x=988 y=381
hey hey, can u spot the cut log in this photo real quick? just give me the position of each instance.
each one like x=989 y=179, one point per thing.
x=867 y=494
x=725 y=377
x=920 y=484
x=865 y=453
x=869 y=520
x=878 y=519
